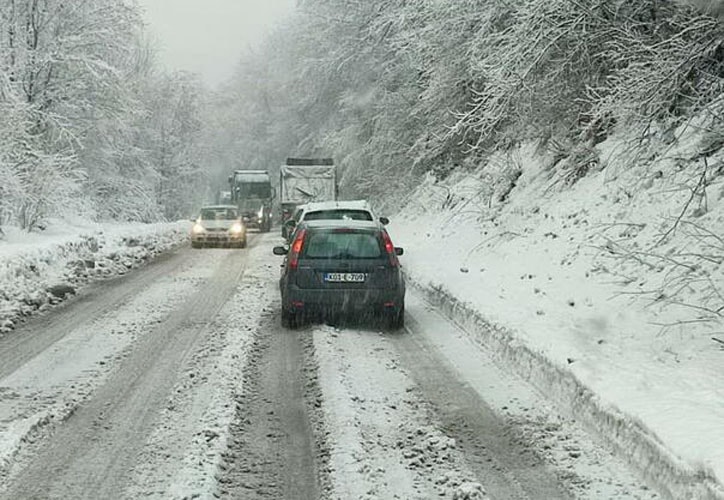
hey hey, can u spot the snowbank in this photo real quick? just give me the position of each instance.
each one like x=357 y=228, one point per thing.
x=593 y=292
x=38 y=270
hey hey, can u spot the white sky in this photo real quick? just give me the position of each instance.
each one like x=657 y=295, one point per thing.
x=209 y=36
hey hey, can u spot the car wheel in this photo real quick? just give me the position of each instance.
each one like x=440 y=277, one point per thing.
x=395 y=320
x=243 y=243
x=195 y=244
x=290 y=319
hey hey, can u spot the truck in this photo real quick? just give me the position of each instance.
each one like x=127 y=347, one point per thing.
x=303 y=180
x=253 y=194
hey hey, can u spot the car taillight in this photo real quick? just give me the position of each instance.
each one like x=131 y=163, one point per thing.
x=390 y=249
x=297 y=248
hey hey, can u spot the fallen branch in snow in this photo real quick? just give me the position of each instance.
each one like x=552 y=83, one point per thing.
x=705 y=236
x=696 y=190
x=719 y=341
x=477 y=247
x=687 y=279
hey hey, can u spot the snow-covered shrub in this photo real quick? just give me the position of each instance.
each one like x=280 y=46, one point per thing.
x=662 y=69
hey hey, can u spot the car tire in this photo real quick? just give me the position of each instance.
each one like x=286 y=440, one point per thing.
x=243 y=243
x=395 y=320
x=290 y=319
x=195 y=245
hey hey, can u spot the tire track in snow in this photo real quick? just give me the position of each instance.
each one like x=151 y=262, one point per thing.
x=381 y=439
x=509 y=469
x=91 y=454
x=38 y=334
x=639 y=447
x=183 y=456
x=47 y=388
x=271 y=452
x=507 y=427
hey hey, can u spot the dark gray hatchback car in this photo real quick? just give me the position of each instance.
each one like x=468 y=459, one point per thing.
x=339 y=268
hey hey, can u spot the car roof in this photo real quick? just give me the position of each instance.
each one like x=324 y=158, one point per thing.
x=331 y=205
x=219 y=207
x=336 y=223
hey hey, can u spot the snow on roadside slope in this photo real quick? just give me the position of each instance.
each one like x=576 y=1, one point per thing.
x=539 y=269
x=40 y=269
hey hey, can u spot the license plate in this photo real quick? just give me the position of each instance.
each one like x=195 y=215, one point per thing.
x=345 y=277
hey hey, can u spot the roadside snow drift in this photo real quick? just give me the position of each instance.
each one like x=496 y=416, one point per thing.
x=38 y=270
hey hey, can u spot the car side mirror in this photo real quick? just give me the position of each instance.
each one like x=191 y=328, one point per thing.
x=290 y=223
x=384 y=221
x=280 y=250
x=399 y=250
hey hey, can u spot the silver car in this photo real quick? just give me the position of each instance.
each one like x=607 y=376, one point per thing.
x=218 y=225
x=332 y=210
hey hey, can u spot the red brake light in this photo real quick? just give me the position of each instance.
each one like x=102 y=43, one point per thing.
x=299 y=241
x=390 y=249
x=297 y=248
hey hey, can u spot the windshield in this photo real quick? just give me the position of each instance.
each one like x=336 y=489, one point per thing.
x=251 y=204
x=342 y=244
x=258 y=190
x=338 y=214
x=218 y=214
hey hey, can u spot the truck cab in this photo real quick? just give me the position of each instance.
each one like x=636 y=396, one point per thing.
x=253 y=194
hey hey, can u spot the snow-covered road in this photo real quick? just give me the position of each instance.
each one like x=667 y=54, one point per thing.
x=176 y=381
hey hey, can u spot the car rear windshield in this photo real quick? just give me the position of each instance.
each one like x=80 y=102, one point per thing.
x=338 y=214
x=218 y=214
x=342 y=244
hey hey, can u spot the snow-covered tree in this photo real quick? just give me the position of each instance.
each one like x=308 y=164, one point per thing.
x=81 y=102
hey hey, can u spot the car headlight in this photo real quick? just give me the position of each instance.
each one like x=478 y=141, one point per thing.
x=236 y=228
x=198 y=229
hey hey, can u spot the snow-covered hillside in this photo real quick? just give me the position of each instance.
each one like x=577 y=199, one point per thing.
x=607 y=293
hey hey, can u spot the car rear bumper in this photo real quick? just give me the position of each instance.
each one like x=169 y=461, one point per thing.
x=345 y=301
x=218 y=239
